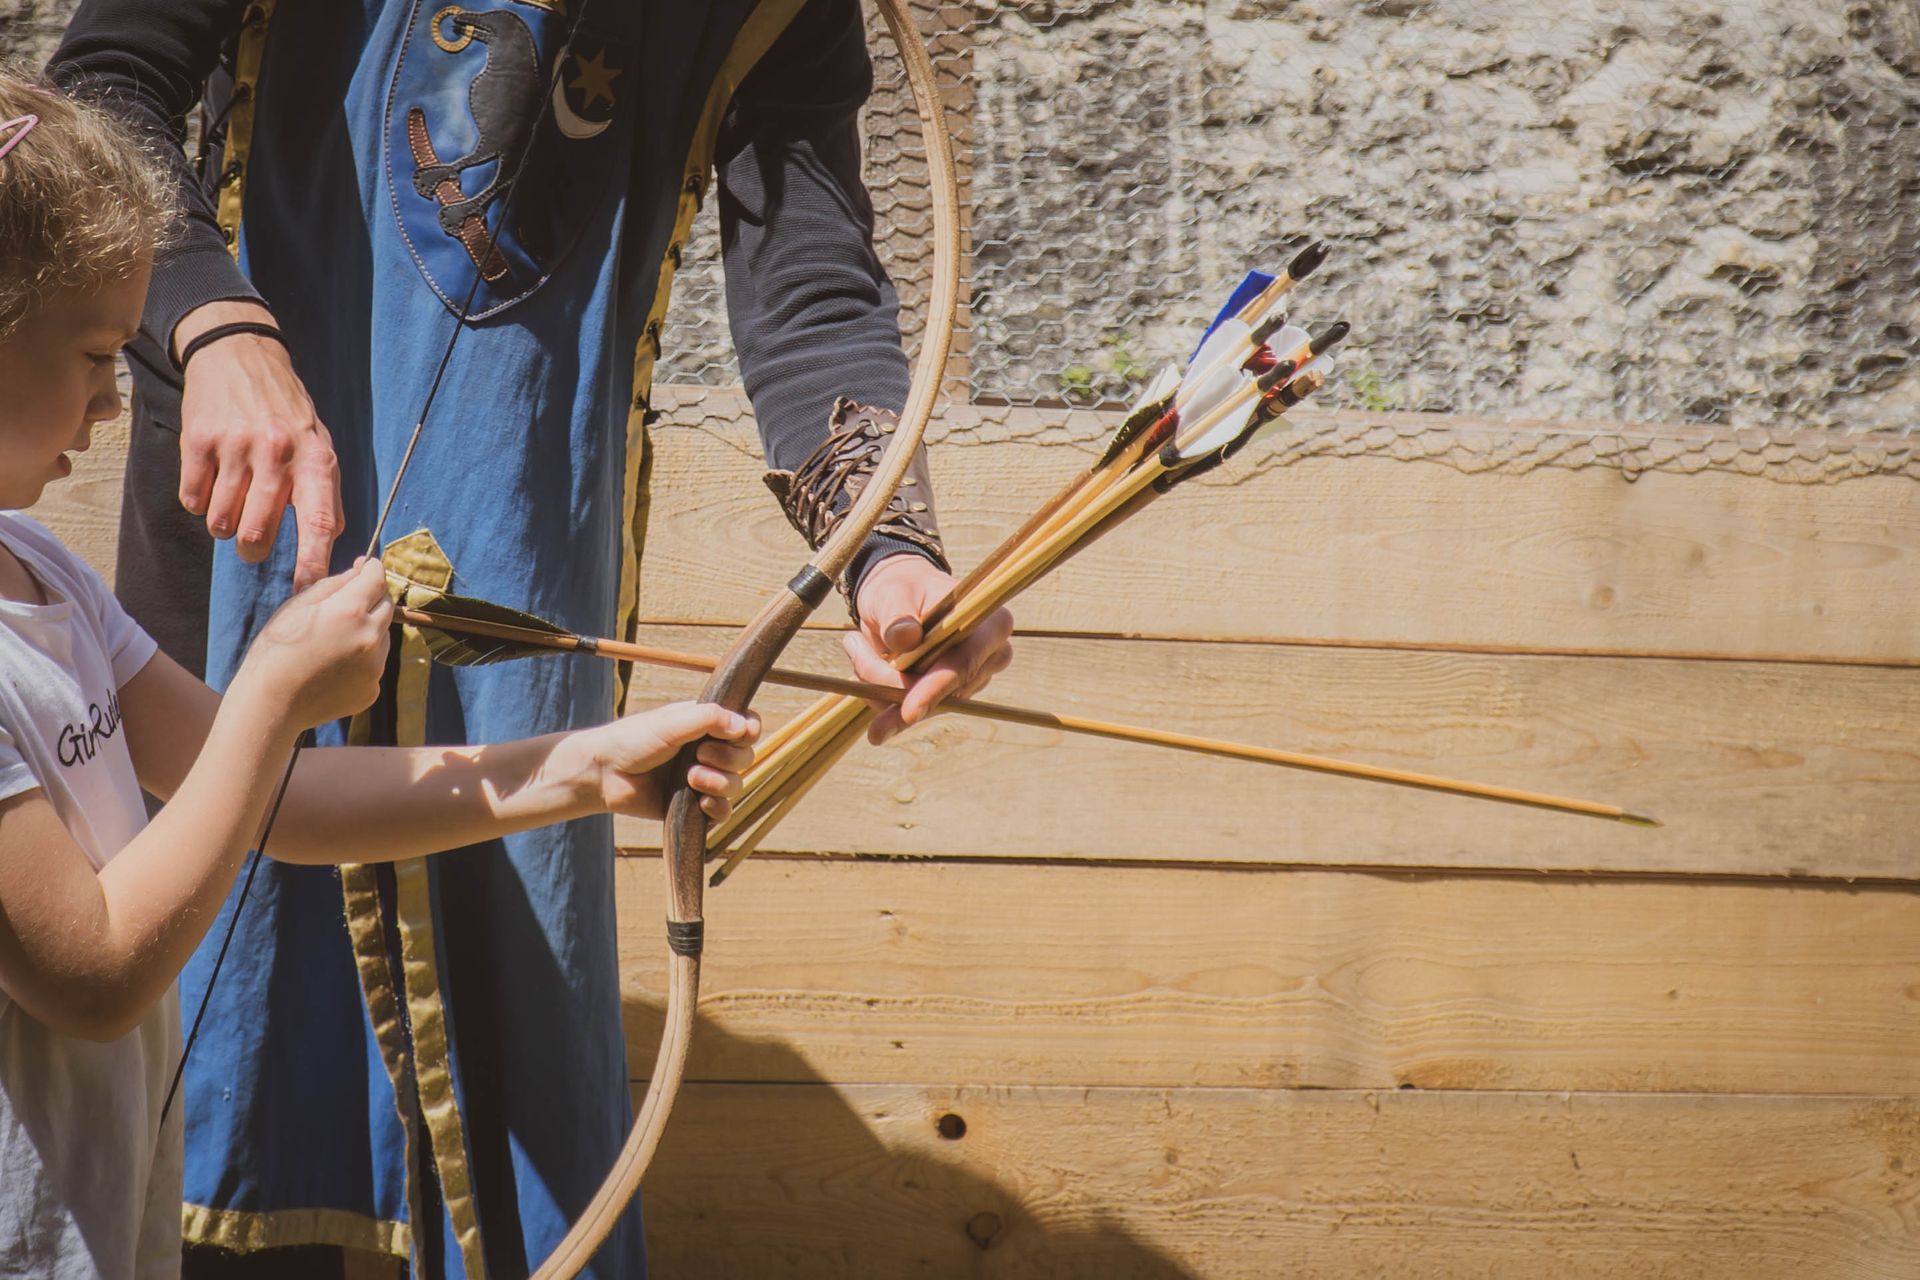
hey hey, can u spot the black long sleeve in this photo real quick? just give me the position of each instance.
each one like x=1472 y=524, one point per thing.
x=150 y=64
x=813 y=314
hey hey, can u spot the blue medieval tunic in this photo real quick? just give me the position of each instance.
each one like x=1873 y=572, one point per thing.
x=467 y=1019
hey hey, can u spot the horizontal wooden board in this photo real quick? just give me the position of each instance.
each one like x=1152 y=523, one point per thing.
x=1369 y=549
x=1756 y=768
x=1456 y=548
x=931 y=973
x=857 y=1181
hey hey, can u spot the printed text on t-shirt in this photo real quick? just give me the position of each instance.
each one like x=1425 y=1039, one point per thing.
x=78 y=742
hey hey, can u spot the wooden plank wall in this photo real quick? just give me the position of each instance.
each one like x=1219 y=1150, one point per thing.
x=1108 y=1013
x=1004 y=1005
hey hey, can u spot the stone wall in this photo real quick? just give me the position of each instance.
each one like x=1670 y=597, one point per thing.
x=1648 y=210
x=1645 y=210
x=29 y=29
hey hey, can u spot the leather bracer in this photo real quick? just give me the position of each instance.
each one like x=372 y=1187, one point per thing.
x=819 y=492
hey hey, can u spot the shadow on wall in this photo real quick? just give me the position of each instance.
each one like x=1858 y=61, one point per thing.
x=794 y=1179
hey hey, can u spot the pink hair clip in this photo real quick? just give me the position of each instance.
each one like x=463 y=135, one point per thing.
x=21 y=126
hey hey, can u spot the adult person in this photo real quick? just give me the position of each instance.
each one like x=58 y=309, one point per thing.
x=456 y=1084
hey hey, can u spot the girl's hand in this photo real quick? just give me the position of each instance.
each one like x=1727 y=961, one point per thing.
x=630 y=761
x=321 y=656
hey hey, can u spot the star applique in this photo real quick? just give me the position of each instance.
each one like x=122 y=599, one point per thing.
x=595 y=79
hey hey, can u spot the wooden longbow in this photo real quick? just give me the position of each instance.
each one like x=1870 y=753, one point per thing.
x=744 y=665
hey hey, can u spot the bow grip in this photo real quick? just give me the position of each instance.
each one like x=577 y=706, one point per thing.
x=732 y=685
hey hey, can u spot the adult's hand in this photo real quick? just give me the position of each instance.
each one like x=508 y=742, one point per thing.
x=250 y=443
x=895 y=595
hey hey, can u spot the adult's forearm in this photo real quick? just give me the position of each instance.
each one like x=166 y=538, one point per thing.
x=379 y=804
x=149 y=64
x=813 y=312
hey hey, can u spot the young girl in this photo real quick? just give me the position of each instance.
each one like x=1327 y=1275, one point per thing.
x=99 y=908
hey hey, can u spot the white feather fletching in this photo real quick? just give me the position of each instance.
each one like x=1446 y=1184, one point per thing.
x=1321 y=364
x=1207 y=400
x=1229 y=338
x=1288 y=341
x=1159 y=389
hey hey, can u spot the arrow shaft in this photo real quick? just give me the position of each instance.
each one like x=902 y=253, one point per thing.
x=784 y=800
x=1006 y=714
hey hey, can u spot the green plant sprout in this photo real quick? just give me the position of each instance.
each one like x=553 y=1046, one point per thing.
x=1375 y=396
x=1122 y=360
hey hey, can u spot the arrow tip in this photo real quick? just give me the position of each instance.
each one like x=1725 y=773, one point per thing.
x=1281 y=371
x=719 y=877
x=1268 y=327
x=1328 y=336
x=1640 y=820
x=1309 y=258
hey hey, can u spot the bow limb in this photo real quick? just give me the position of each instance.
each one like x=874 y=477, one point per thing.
x=743 y=666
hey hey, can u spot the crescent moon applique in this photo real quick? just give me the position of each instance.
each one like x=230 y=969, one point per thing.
x=490 y=95
x=591 y=78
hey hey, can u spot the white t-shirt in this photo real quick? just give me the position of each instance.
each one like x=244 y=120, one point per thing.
x=89 y=1183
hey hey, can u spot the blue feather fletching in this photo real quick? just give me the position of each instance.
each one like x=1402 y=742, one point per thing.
x=1249 y=289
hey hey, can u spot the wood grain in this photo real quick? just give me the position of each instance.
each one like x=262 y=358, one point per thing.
x=1756 y=768
x=1363 y=550
x=931 y=973
x=857 y=1181
x=1373 y=550
x=84 y=509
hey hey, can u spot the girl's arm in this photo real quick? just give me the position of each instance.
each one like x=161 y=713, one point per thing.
x=377 y=804
x=89 y=953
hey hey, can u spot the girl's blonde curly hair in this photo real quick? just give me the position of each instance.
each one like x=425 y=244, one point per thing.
x=82 y=202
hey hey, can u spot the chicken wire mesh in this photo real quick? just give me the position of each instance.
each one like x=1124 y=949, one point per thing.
x=1638 y=211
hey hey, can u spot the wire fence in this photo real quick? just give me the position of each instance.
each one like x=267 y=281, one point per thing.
x=1631 y=211
x=1637 y=211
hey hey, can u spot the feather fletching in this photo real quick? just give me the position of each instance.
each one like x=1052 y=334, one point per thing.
x=464 y=649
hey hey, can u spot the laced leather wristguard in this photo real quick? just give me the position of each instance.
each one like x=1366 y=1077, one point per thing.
x=817 y=493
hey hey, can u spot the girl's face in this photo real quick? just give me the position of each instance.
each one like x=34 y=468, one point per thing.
x=56 y=381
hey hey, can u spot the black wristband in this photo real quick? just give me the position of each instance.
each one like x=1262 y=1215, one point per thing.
x=258 y=328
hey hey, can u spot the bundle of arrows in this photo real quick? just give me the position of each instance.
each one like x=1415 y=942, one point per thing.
x=1252 y=365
